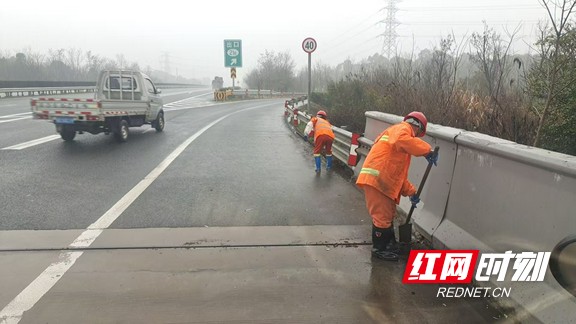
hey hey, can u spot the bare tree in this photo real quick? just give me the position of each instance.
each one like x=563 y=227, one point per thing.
x=491 y=56
x=456 y=54
x=75 y=60
x=94 y=64
x=121 y=61
x=34 y=58
x=436 y=77
x=254 y=79
x=551 y=49
x=275 y=71
x=322 y=75
x=56 y=66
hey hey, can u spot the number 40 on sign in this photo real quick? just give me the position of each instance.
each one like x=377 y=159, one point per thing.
x=309 y=45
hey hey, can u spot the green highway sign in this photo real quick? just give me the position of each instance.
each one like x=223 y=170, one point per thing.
x=232 y=53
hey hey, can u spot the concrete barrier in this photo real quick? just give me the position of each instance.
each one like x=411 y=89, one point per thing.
x=430 y=211
x=494 y=195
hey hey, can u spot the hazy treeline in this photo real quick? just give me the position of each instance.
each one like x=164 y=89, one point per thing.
x=69 y=65
x=475 y=84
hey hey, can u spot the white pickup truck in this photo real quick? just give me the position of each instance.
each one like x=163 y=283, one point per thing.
x=122 y=99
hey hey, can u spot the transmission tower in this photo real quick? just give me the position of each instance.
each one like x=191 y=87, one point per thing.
x=390 y=35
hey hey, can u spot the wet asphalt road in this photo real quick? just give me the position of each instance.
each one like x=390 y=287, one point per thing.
x=248 y=169
x=237 y=228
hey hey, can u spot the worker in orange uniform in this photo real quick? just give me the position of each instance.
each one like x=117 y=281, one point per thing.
x=323 y=138
x=384 y=178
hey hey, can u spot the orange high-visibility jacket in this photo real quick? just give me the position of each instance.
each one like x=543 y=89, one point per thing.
x=321 y=127
x=386 y=166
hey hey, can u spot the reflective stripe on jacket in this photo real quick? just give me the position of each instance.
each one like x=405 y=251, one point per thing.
x=321 y=127
x=386 y=166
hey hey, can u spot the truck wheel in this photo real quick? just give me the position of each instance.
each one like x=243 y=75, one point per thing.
x=67 y=133
x=121 y=134
x=159 y=122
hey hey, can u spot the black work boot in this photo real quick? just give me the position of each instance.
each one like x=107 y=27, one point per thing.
x=381 y=243
x=392 y=246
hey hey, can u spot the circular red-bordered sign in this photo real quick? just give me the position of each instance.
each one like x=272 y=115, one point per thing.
x=309 y=45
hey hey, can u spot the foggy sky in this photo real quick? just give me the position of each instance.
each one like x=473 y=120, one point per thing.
x=191 y=34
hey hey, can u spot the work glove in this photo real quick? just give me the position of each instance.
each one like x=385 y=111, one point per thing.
x=414 y=200
x=432 y=158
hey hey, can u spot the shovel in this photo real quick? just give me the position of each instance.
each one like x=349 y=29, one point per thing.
x=405 y=230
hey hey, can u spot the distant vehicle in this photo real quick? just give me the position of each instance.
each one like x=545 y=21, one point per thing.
x=123 y=99
x=217 y=83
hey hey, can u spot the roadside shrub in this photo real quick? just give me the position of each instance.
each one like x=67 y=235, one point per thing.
x=347 y=101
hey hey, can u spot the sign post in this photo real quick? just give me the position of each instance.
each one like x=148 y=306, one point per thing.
x=309 y=45
x=233 y=56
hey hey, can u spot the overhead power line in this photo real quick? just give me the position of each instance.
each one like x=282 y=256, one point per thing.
x=471 y=8
x=468 y=23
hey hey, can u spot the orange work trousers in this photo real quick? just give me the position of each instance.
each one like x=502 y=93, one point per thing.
x=380 y=207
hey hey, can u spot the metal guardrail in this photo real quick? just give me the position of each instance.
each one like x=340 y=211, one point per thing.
x=229 y=94
x=344 y=147
x=40 y=91
x=19 y=92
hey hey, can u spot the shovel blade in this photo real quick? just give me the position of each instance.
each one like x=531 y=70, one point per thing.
x=405 y=233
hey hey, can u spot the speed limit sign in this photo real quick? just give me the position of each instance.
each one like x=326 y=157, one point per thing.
x=309 y=45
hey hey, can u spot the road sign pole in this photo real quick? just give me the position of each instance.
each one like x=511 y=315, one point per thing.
x=309 y=79
x=309 y=45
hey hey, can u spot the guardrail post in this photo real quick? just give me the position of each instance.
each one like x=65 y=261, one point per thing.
x=295 y=117
x=353 y=156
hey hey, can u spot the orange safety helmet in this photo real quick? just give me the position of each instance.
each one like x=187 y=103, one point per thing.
x=321 y=113
x=422 y=121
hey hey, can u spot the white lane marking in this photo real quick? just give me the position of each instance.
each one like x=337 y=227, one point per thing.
x=185 y=99
x=200 y=95
x=13 y=312
x=203 y=105
x=32 y=143
x=15 y=119
x=8 y=116
x=189 y=103
x=28 y=297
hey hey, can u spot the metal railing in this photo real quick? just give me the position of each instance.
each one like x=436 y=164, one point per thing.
x=343 y=147
x=43 y=91
x=23 y=92
x=229 y=94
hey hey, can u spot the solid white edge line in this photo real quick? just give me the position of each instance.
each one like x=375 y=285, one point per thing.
x=15 y=119
x=38 y=141
x=13 y=312
x=27 y=298
x=20 y=114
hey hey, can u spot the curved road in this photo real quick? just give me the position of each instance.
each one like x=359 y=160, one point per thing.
x=220 y=218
